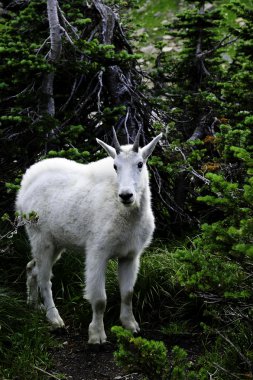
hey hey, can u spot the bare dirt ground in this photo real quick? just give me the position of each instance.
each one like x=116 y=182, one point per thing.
x=78 y=361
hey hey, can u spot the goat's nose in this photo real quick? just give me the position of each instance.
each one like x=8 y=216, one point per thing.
x=125 y=196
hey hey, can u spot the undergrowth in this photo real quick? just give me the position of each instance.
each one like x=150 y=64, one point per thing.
x=162 y=302
x=24 y=340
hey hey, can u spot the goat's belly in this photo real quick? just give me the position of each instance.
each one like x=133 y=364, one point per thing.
x=71 y=236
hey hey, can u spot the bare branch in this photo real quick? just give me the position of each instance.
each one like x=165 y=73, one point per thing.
x=100 y=79
x=226 y=371
x=44 y=43
x=190 y=169
x=67 y=35
x=67 y=23
x=125 y=125
x=243 y=357
x=220 y=44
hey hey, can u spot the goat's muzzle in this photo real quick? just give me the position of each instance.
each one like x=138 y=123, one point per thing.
x=126 y=198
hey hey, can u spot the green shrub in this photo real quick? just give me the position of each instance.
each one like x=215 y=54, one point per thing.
x=151 y=358
x=147 y=357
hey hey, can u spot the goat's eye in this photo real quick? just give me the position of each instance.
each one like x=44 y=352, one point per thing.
x=115 y=167
x=140 y=165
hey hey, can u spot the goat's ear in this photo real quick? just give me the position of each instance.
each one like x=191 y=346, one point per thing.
x=109 y=149
x=148 y=149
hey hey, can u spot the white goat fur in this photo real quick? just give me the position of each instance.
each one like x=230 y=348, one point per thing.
x=79 y=206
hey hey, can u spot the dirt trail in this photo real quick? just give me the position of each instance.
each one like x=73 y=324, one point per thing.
x=77 y=361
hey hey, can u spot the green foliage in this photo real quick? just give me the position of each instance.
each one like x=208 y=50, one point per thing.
x=220 y=258
x=24 y=339
x=148 y=357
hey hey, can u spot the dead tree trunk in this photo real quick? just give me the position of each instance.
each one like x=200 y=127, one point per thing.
x=48 y=103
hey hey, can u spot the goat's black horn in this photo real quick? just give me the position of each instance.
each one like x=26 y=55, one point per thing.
x=116 y=142
x=137 y=141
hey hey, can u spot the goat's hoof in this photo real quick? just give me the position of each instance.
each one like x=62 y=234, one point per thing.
x=55 y=319
x=57 y=325
x=132 y=326
x=96 y=336
x=97 y=339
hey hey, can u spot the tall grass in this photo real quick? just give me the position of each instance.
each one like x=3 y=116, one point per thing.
x=24 y=339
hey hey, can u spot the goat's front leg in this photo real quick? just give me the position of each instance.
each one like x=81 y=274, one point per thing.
x=95 y=294
x=128 y=269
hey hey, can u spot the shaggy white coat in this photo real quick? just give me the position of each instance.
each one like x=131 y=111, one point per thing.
x=79 y=206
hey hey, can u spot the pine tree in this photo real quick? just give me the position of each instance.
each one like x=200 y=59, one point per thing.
x=67 y=76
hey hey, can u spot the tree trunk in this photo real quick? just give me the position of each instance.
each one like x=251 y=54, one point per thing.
x=48 y=104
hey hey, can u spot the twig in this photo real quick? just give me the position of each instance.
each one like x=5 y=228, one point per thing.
x=46 y=373
x=44 y=43
x=125 y=125
x=67 y=35
x=28 y=88
x=226 y=371
x=73 y=89
x=189 y=168
x=175 y=208
x=212 y=374
x=73 y=29
x=203 y=54
x=246 y=360
x=213 y=125
x=100 y=79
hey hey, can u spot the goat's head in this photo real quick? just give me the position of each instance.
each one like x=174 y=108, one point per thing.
x=130 y=166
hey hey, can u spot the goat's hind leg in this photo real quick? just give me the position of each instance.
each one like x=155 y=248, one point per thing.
x=32 y=284
x=44 y=256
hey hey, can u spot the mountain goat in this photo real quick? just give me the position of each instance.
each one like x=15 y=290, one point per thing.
x=102 y=208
